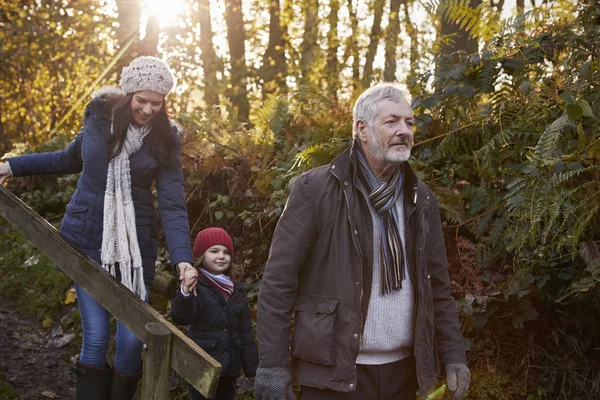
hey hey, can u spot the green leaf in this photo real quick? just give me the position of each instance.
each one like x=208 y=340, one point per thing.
x=466 y=91
x=574 y=112
x=429 y=103
x=587 y=110
x=567 y=98
x=219 y=215
x=530 y=314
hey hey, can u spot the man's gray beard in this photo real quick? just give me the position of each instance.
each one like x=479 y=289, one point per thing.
x=398 y=158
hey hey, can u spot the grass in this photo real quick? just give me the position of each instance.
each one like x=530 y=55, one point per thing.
x=28 y=280
x=6 y=390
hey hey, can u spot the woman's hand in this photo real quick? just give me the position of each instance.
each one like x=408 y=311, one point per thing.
x=188 y=276
x=4 y=172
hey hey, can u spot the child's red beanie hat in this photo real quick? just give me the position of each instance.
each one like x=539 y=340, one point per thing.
x=210 y=237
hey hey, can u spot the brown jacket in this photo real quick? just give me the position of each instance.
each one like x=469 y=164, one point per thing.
x=320 y=267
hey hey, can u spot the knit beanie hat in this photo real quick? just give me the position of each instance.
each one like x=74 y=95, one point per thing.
x=210 y=237
x=147 y=73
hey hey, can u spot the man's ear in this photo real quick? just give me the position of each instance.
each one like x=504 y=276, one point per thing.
x=362 y=129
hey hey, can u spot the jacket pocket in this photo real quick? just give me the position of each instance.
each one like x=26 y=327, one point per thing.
x=207 y=344
x=74 y=221
x=314 y=329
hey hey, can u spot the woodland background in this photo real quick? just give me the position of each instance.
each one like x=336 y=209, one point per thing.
x=506 y=106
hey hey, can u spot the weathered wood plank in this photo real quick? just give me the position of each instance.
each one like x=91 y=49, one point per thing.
x=187 y=358
x=155 y=381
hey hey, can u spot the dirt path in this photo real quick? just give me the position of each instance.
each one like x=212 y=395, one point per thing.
x=32 y=360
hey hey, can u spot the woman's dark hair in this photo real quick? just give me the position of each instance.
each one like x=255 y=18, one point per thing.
x=160 y=139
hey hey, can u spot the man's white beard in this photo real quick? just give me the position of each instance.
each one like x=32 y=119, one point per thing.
x=398 y=157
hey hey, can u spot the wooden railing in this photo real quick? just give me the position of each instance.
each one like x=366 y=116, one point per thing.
x=167 y=347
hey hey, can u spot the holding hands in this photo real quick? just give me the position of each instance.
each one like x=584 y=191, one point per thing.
x=188 y=276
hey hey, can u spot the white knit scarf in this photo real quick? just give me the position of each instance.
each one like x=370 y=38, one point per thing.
x=119 y=237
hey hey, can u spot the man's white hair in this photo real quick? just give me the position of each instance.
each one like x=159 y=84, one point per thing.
x=365 y=108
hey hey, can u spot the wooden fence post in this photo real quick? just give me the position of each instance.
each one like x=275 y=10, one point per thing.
x=156 y=371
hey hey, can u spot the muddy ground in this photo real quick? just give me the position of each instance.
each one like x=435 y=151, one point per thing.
x=36 y=362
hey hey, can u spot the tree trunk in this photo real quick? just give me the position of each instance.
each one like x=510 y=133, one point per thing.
x=520 y=5
x=273 y=71
x=208 y=55
x=459 y=38
x=333 y=42
x=391 y=42
x=129 y=24
x=374 y=43
x=237 y=51
x=149 y=45
x=309 y=39
x=414 y=46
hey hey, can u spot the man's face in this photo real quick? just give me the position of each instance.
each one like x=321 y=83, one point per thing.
x=391 y=137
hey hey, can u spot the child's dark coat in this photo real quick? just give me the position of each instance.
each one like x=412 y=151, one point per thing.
x=221 y=327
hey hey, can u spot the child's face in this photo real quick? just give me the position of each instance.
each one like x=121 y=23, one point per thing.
x=217 y=259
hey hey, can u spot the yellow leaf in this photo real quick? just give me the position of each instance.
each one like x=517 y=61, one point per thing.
x=47 y=323
x=70 y=296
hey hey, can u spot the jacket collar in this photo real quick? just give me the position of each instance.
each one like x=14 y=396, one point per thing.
x=344 y=168
x=204 y=280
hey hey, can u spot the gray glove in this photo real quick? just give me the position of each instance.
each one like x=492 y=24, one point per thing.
x=273 y=383
x=458 y=378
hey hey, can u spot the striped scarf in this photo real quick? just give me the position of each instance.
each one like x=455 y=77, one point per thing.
x=383 y=198
x=220 y=282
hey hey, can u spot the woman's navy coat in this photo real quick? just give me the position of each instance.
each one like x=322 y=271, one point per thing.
x=83 y=221
x=221 y=327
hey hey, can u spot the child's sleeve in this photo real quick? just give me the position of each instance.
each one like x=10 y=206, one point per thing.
x=249 y=351
x=183 y=308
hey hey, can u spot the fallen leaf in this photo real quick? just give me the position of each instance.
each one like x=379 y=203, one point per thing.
x=70 y=296
x=47 y=323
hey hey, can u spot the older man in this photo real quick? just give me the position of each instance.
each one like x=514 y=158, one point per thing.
x=358 y=256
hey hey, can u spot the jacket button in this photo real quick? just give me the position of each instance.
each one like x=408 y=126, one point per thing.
x=428 y=276
x=357 y=283
x=333 y=167
x=355 y=336
x=345 y=183
x=355 y=232
x=352 y=386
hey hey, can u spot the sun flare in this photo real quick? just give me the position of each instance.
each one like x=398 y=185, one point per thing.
x=166 y=11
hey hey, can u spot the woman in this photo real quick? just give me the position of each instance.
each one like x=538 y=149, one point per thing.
x=127 y=142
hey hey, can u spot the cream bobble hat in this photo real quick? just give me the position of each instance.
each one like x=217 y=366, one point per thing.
x=147 y=73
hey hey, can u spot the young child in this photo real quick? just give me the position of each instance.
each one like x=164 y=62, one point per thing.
x=216 y=310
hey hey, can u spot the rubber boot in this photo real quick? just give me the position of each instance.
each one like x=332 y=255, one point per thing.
x=92 y=383
x=123 y=386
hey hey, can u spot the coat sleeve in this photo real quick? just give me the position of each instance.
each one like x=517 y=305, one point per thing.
x=450 y=345
x=249 y=352
x=66 y=161
x=183 y=308
x=293 y=238
x=173 y=212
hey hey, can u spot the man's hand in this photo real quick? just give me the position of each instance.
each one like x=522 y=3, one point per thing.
x=190 y=279
x=182 y=267
x=273 y=383
x=458 y=378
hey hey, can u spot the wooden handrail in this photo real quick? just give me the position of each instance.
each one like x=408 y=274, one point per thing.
x=187 y=358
